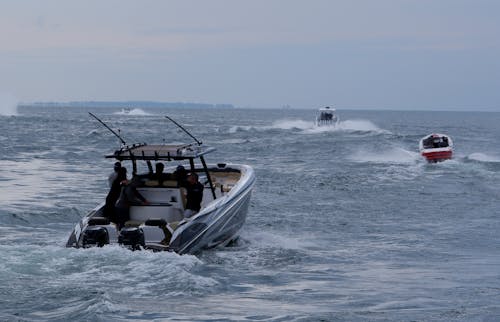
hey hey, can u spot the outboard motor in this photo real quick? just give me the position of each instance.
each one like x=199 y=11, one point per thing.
x=95 y=236
x=132 y=237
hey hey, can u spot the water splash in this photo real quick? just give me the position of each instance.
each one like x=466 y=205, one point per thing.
x=481 y=157
x=309 y=127
x=8 y=105
x=288 y=124
x=135 y=111
x=361 y=126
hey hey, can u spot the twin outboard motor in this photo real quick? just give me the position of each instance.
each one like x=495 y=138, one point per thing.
x=132 y=237
x=95 y=236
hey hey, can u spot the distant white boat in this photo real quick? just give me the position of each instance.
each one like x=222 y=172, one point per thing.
x=436 y=147
x=327 y=117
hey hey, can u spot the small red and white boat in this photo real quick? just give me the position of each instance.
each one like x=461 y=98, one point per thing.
x=436 y=147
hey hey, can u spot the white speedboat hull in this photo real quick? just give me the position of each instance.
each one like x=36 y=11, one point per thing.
x=217 y=223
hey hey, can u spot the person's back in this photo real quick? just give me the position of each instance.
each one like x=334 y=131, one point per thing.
x=113 y=175
x=180 y=175
x=194 y=195
x=114 y=194
x=128 y=196
x=159 y=175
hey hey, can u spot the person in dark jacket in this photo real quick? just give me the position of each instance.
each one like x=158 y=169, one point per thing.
x=129 y=195
x=159 y=175
x=194 y=195
x=180 y=174
x=114 y=194
x=114 y=174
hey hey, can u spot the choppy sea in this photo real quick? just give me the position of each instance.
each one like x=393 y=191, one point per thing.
x=345 y=223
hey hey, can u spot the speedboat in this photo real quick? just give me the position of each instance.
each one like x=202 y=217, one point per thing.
x=160 y=225
x=436 y=147
x=326 y=116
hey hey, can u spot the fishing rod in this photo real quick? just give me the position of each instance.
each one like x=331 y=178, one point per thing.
x=186 y=131
x=110 y=129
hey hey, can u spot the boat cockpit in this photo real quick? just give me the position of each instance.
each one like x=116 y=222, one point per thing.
x=435 y=141
x=326 y=116
x=166 y=194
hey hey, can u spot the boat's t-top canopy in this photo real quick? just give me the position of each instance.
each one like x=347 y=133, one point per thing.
x=157 y=152
x=327 y=109
x=164 y=152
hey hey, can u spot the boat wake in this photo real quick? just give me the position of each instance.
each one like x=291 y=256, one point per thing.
x=361 y=126
x=391 y=155
x=307 y=127
x=481 y=157
x=263 y=239
x=285 y=124
x=134 y=112
x=26 y=185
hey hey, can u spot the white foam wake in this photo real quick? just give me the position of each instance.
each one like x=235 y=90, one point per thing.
x=481 y=157
x=360 y=126
x=135 y=111
x=391 y=155
x=309 y=127
x=289 y=124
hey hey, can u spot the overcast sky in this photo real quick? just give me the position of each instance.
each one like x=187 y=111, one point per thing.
x=398 y=54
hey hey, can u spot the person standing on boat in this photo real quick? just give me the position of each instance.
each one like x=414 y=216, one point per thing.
x=114 y=174
x=180 y=175
x=194 y=195
x=158 y=175
x=114 y=194
x=128 y=196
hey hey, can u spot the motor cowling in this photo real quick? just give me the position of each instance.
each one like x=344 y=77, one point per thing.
x=95 y=236
x=131 y=237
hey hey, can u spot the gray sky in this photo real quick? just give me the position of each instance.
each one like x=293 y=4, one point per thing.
x=400 y=54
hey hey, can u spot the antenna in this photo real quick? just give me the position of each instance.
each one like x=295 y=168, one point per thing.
x=111 y=130
x=186 y=131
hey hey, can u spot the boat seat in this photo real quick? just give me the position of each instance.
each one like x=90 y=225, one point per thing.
x=165 y=212
x=162 y=195
x=166 y=183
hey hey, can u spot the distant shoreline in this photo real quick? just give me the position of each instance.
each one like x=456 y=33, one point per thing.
x=125 y=104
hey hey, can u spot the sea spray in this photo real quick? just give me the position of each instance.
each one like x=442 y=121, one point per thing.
x=8 y=104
